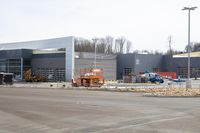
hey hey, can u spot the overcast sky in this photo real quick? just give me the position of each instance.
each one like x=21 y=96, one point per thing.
x=147 y=23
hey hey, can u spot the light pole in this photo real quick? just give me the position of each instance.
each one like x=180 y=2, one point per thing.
x=188 y=83
x=95 y=56
x=95 y=41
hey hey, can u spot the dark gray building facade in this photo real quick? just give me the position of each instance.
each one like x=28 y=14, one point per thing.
x=136 y=63
x=51 y=64
x=66 y=43
x=179 y=65
x=15 y=61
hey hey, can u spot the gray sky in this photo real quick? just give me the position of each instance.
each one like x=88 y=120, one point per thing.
x=147 y=23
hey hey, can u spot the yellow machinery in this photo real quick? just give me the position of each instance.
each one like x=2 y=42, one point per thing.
x=29 y=77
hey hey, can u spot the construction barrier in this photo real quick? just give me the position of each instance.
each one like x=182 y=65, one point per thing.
x=168 y=74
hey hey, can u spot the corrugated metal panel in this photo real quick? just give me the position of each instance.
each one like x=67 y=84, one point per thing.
x=109 y=67
x=88 y=55
x=56 y=60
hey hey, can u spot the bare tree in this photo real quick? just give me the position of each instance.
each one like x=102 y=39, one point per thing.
x=147 y=51
x=119 y=44
x=95 y=42
x=128 y=46
x=83 y=45
x=136 y=51
x=109 y=44
x=116 y=49
x=156 y=52
x=103 y=45
x=194 y=47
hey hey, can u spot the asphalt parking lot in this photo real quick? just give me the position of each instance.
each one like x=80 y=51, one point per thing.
x=31 y=110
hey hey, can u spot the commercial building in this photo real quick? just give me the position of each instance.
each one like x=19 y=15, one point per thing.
x=52 y=64
x=178 y=63
x=44 y=58
x=136 y=63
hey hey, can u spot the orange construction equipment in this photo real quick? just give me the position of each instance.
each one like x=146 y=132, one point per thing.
x=89 y=77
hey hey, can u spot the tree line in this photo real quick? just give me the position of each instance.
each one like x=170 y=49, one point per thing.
x=107 y=45
x=194 y=47
x=111 y=45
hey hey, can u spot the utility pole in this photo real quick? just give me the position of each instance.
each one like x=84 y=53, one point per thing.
x=188 y=83
x=170 y=64
x=170 y=45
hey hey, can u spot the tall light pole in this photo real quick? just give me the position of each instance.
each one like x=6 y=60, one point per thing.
x=95 y=55
x=95 y=41
x=188 y=83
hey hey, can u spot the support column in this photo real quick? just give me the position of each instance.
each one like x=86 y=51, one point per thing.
x=22 y=66
x=8 y=66
x=69 y=61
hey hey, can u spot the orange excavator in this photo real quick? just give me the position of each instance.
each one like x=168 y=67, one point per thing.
x=89 y=77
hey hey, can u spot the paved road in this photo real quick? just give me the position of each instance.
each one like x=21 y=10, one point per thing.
x=29 y=110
